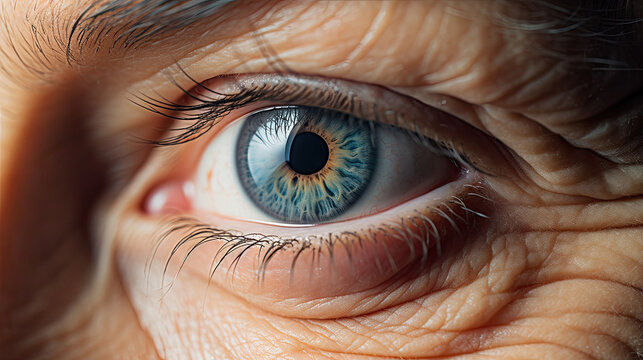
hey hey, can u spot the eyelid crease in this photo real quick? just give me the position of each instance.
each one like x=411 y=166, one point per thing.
x=381 y=246
x=208 y=102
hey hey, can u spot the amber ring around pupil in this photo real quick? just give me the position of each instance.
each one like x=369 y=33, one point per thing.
x=305 y=165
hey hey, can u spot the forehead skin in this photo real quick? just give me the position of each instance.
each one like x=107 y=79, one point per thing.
x=557 y=273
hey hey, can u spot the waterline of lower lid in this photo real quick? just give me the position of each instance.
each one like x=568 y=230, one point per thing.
x=422 y=228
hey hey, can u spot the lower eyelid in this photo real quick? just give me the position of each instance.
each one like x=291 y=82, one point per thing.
x=276 y=267
x=336 y=260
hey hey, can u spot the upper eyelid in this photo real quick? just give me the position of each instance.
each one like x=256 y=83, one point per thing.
x=239 y=239
x=206 y=103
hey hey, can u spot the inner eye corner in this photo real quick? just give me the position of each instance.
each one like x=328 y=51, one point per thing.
x=307 y=150
x=403 y=238
x=303 y=169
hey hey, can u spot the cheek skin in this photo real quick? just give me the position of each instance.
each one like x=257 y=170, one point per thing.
x=513 y=290
x=351 y=277
x=506 y=292
x=540 y=282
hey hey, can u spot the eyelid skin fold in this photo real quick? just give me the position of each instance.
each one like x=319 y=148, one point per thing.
x=370 y=257
x=203 y=106
x=274 y=267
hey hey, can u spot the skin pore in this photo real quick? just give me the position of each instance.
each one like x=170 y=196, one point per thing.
x=554 y=272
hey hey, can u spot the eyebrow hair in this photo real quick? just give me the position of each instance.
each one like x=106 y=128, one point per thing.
x=134 y=22
x=600 y=34
x=52 y=39
x=617 y=23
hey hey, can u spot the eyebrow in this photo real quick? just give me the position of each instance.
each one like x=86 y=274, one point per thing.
x=52 y=38
x=596 y=34
x=135 y=22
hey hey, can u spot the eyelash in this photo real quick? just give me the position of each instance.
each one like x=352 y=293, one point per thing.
x=204 y=113
x=208 y=112
x=454 y=213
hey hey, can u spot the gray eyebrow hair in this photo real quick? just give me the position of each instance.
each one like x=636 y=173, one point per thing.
x=134 y=22
x=54 y=41
x=600 y=34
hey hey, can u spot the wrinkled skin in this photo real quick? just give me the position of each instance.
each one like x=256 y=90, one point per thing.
x=555 y=273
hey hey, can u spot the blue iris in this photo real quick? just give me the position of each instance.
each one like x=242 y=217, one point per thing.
x=305 y=165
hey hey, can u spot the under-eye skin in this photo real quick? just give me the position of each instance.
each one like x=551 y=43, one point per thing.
x=309 y=165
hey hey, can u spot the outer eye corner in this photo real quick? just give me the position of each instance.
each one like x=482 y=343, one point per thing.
x=307 y=165
x=259 y=167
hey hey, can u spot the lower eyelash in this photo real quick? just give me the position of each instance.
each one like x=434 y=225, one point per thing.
x=455 y=214
x=458 y=215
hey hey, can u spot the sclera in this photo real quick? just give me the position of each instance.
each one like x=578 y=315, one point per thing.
x=405 y=169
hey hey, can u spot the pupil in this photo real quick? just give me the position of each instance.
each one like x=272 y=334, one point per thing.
x=308 y=153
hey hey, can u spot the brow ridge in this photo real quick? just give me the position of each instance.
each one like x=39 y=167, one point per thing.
x=132 y=23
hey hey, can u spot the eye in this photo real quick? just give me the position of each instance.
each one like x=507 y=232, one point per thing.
x=306 y=165
x=297 y=180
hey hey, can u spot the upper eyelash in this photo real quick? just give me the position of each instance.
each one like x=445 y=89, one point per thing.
x=207 y=112
x=215 y=109
x=202 y=113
